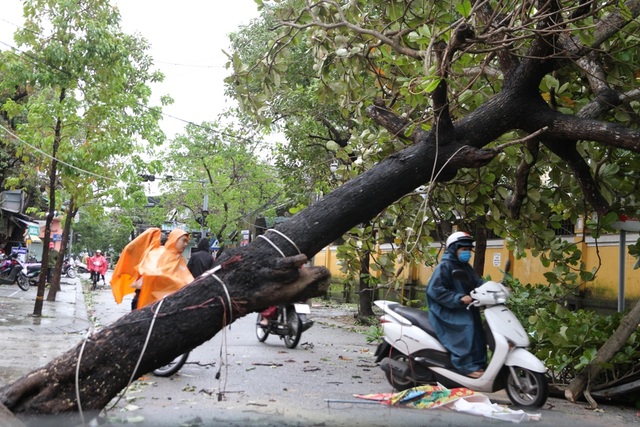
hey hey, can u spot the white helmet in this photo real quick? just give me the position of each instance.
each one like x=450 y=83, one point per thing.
x=460 y=237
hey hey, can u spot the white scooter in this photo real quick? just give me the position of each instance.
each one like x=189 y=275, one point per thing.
x=411 y=355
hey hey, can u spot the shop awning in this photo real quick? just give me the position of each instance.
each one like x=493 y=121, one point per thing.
x=25 y=221
x=35 y=239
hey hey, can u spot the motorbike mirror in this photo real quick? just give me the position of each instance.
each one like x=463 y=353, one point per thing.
x=460 y=275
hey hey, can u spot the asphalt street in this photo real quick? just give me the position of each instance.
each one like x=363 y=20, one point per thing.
x=234 y=380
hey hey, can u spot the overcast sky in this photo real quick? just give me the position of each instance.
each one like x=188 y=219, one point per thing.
x=187 y=38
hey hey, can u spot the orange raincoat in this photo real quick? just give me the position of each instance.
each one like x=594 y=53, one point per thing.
x=162 y=268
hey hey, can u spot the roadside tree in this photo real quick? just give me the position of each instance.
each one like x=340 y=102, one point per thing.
x=87 y=97
x=219 y=178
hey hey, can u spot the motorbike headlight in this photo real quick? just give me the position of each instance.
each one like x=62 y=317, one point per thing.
x=500 y=297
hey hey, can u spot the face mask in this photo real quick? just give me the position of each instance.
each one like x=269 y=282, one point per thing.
x=464 y=256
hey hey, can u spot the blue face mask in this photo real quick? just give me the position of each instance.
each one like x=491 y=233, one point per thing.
x=464 y=256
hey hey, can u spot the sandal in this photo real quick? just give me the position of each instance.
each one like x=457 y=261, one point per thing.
x=476 y=374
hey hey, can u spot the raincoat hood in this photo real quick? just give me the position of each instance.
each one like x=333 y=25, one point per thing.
x=175 y=234
x=203 y=245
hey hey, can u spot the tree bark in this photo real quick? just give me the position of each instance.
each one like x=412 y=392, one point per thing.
x=66 y=232
x=181 y=322
x=365 y=291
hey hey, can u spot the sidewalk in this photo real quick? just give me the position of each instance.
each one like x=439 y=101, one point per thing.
x=30 y=342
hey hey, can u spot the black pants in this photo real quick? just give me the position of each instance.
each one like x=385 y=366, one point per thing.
x=134 y=301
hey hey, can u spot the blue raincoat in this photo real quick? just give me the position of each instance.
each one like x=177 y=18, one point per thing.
x=459 y=330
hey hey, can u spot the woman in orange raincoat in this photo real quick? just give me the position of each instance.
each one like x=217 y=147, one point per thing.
x=155 y=270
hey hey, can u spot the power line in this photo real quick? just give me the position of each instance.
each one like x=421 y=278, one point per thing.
x=49 y=156
x=35 y=60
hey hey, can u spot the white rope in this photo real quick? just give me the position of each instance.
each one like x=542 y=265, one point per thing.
x=77 y=380
x=223 y=342
x=226 y=291
x=273 y=244
x=284 y=236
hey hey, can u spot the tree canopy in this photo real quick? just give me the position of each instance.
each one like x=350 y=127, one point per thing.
x=529 y=110
x=84 y=103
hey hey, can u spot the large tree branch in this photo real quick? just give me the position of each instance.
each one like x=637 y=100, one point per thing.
x=628 y=326
x=521 y=187
x=567 y=127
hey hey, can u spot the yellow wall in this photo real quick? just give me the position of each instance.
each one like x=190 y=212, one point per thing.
x=604 y=255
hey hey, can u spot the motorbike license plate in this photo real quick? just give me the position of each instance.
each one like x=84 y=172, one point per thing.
x=302 y=308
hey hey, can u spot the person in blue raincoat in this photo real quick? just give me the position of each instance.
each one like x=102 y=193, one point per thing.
x=459 y=329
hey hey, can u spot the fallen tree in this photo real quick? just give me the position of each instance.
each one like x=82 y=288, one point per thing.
x=268 y=271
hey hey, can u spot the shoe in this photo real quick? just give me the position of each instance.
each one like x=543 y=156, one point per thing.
x=264 y=323
x=476 y=374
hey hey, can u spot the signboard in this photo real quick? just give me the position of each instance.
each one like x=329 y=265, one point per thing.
x=245 y=237
x=34 y=230
x=625 y=223
x=497 y=256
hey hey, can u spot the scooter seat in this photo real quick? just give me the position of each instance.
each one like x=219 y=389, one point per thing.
x=419 y=318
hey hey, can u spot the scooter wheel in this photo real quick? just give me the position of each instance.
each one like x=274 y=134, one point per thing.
x=71 y=273
x=292 y=338
x=172 y=367
x=527 y=389
x=23 y=282
x=261 y=332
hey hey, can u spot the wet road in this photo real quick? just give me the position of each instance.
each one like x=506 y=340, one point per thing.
x=233 y=380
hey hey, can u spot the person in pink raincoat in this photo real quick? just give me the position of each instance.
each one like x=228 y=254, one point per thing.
x=97 y=265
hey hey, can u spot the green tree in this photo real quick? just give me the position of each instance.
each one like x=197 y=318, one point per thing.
x=87 y=103
x=440 y=68
x=219 y=167
x=462 y=88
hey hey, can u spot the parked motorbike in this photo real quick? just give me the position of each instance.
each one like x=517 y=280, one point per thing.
x=411 y=354
x=15 y=276
x=81 y=267
x=7 y=265
x=289 y=323
x=68 y=268
x=31 y=272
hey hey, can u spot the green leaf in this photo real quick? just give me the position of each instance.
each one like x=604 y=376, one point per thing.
x=464 y=8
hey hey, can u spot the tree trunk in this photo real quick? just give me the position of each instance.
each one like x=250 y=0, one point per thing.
x=255 y=277
x=66 y=232
x=580 y=383
x=480 y=234
x=108 y=357
x=37 y=308
x=365 y=291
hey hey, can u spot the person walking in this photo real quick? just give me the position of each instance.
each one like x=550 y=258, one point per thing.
x=201 y=260
x=51 y=261
x=458 y=326
x=150 y=269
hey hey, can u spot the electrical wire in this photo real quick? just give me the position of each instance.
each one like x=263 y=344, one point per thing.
x=49 y=156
